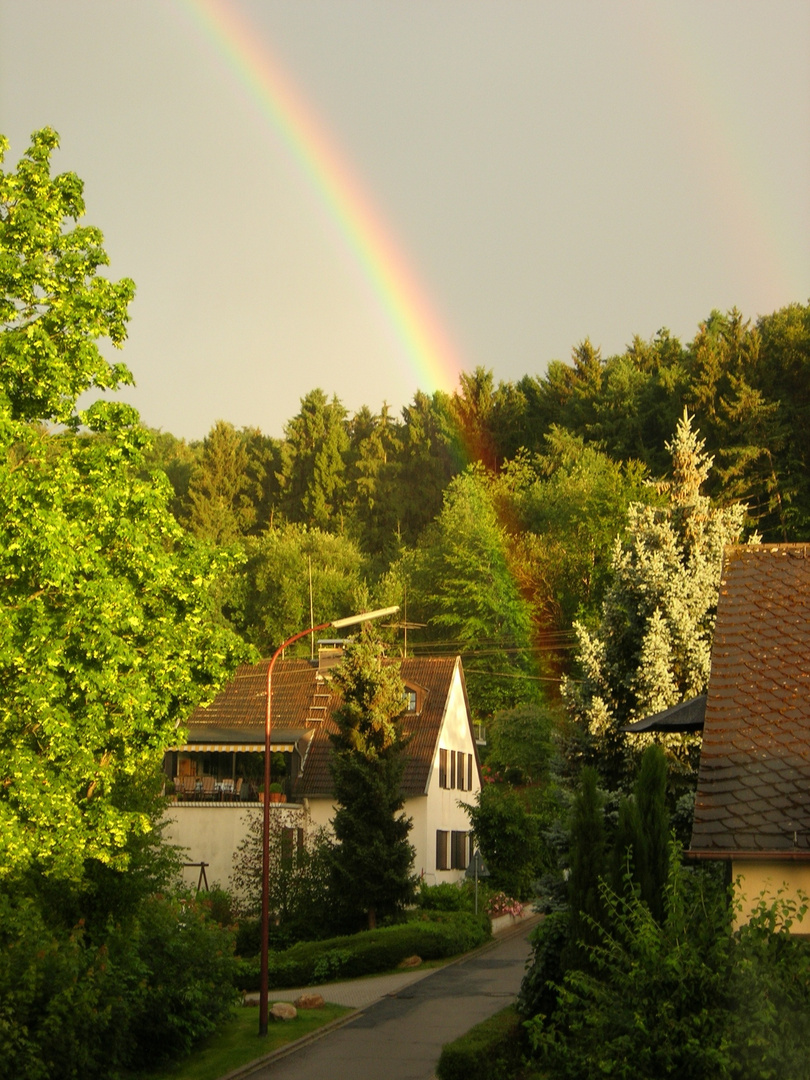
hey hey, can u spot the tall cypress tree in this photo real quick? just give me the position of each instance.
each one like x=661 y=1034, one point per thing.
x=373 y=862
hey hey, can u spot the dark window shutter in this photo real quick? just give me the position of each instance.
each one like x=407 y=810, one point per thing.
x=441 y=849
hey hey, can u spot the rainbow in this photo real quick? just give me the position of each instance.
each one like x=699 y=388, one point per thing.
x=406 y=309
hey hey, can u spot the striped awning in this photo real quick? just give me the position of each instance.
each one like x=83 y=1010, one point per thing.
x=232 y=748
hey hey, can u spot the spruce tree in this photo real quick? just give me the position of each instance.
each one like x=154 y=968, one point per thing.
x=373 y=861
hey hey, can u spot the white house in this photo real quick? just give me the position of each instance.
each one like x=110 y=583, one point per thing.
x=217 y=771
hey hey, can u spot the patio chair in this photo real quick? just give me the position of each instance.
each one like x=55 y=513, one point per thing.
x=208 y=787
x=186 y=786
x=227 y=789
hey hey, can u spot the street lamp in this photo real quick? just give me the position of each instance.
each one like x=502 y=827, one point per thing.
x=337 y=624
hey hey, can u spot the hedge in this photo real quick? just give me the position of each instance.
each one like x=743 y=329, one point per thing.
x=437 y=937
x=492 y=1050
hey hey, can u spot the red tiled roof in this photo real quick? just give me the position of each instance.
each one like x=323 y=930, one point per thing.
x=303 y=699
x=753 y=792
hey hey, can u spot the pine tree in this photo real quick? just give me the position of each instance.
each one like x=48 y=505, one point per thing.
x=652 y=647
x=373 y=861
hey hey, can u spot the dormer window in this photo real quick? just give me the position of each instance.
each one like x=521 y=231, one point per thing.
x=414 y=698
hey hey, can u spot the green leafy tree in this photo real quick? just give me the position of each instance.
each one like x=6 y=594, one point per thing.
x=373 y=491
x=508 y=835
x=588 y=867
x=106 y=633
x=428 y=460
x=684 y=997
x=520 y=743
x=461 y=582
x=54 y=305
x=270 y=598
x=652 y=647
x=219 y=507
x=642 y=842
x=373 y=861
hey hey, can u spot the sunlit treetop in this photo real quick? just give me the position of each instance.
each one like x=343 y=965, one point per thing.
x=54 y=305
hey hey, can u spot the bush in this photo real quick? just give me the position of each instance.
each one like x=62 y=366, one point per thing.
x=682 y=998
x=445 y=897
x=71 y=1007
x=369 y=952
x=492 y=1050
x=539 y=994
x=189 y=972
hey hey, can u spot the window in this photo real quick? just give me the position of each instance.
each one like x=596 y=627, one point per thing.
x=410 y=700
x=441 y=850
x=452 y=769
x=469 y=771
x=443 y=769
x=458 y=852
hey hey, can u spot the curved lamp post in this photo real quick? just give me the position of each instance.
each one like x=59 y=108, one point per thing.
x=337 y=624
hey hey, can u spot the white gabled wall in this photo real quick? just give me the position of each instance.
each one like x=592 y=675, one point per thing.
x=441 y=809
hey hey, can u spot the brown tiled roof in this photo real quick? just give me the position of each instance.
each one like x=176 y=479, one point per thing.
x=753 y=792
x=303 y=699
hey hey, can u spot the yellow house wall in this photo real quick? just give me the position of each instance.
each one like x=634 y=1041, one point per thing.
x=768 y=878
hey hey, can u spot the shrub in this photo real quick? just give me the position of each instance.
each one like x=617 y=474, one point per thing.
x=369 y=952
x=539 y=994
x=445 y=897
x=682 y=998
x=492 y=1050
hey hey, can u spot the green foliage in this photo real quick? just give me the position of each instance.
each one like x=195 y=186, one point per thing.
x=146 y=991
x=492 y=1050
x=312 y=463
x=508 y=834
x=434 y=936
x=652 y=647
x=568 y=501
x=54 y=306
x=270 y=598
x=445 y=896
x=643 y=836
x=299 y=877
x=373 y=860
x=588 y=864
x=551 y=945
x=684 y=997
x=107 y=634
x=520 y=743
x=219 y=506
x=461 y=582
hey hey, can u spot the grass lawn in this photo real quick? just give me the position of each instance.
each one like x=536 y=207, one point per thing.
x=237 y=1043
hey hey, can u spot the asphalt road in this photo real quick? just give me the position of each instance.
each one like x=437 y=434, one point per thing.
x=401 y=1036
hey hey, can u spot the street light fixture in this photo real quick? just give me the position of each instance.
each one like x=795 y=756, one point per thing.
x=336 y=624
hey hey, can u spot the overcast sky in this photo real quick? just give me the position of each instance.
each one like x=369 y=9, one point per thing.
x=548 y=171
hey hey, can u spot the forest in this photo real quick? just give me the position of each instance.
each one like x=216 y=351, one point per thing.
x=490 y=514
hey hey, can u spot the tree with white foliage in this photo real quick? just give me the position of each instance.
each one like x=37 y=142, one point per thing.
x=652 y=647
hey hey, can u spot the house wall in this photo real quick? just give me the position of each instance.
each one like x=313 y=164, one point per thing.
x=441 y=809
x=769 y=878
x=212 y=833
